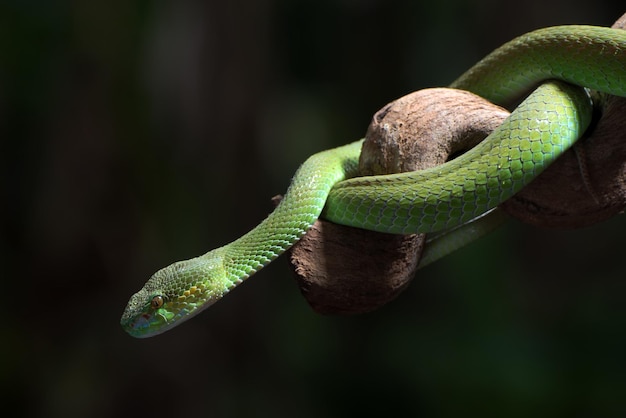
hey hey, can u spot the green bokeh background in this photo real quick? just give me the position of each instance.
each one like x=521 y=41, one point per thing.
x=137 y=133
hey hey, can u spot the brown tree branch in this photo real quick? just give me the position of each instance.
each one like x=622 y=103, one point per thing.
x=344 y=270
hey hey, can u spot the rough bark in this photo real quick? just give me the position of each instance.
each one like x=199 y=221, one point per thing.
x=344 y=270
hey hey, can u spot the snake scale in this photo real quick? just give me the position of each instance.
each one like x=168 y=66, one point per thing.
x=544 y=125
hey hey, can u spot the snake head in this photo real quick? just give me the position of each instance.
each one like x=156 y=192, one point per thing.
x=174 y=294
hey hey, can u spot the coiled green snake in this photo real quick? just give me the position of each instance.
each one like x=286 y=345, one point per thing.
x=544 y=125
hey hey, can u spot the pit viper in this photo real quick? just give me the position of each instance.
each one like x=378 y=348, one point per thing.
x=563 y=62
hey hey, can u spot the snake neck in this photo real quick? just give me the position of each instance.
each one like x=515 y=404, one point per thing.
x=293 y=217
x=256 y=249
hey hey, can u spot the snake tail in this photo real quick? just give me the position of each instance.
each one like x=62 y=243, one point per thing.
x=588 y=56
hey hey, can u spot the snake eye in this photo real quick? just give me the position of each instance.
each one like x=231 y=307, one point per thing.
x=156 y=302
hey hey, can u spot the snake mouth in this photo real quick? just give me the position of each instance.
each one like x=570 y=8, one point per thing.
x=138 y=327
x=154 y=322
x=150 y=324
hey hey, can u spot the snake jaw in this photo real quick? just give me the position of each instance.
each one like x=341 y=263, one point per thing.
x=175 y=294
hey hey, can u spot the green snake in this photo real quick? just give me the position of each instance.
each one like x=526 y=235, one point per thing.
x=541 y=128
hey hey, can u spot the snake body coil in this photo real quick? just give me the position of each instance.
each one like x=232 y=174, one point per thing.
x=550 y=120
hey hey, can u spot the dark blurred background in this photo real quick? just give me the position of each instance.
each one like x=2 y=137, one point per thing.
x=138 y=133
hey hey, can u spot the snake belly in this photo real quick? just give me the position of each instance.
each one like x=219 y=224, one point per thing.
x=552 y=118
